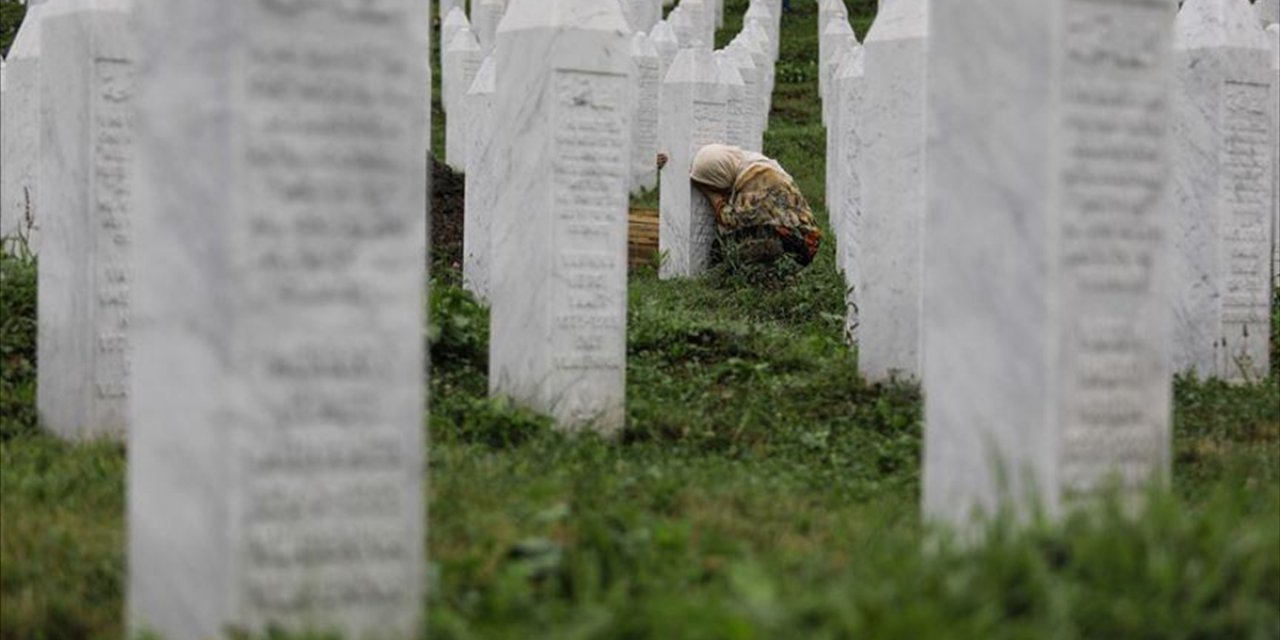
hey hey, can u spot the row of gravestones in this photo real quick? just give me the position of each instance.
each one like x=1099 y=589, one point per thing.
x=231 y=262
x=1044 y=236
x=559 y=315
x=231 y=266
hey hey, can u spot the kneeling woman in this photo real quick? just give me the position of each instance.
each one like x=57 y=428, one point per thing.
x=760 y=213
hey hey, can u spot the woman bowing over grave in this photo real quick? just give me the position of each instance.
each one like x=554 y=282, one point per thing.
x=761 y=215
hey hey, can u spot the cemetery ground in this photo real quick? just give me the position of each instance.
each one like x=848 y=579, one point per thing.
x=761 y=489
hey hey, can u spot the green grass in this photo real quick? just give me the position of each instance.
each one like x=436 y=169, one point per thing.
x=761 y=489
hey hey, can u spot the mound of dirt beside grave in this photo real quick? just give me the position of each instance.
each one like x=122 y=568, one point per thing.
x=447 y=203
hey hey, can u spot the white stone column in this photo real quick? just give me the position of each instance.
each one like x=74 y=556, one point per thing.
x=453 y=21
x=87 y=71
x=835 y=172
x=849 y=97
x=461 y=62
x=276 y=457
x=559 y=246
x=693 y=108
x=752 y=81
x=840 y=40
x=449 y=5
x=20 y=132
x=830 y=14
x=483 y=159
x=485 y=16
x=756 y=43
x=893 y=191
x=646 y=81
x=758 y=13
x=737 y=117
x=1222 y=316
x=1046 y=252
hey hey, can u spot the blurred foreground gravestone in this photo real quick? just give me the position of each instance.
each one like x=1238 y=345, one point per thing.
x=558 y=281
x=276 y=467
x=1047 y=251
x=1222 y=265
x=87 y=82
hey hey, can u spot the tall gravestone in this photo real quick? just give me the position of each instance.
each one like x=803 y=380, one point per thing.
x=20 y=130
x=453 y=21
x=751 y=79
x=485 y=16
x=87 y=71
x=693 y=115
x=737 y=115
x=892 y=170
x=756 y=43
x=848 y=124
x=461 y=62
x=1047 y=251
x=664 y=40
x=559 y=245
x=277 y=450
x=840 y=44
x=447 y=6
x=1222 y=311
x=482 y=165
x=1273 y=34
x=759 y=14
x=645 y=83
x=836 y=130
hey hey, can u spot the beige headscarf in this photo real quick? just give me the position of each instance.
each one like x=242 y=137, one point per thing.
x=720 y=165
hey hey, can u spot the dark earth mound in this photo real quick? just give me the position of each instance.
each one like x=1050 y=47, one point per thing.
x=447 y=197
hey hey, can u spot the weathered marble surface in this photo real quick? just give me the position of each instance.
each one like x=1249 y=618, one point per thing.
x=559 y=245
x=276 y=458
x=485 y=16
x=462 y=59
x=483 y=156
x=693 y=115
x=1046 y=253
x=840 y=45
x=20 y=131
x=752 y=81
x=646 y=81
x=453 y=21
x=1273 y=34
x=737 y=115
x=847 y=123
x=87 y=68
x=1223 y=176
x=1268 y=11
x=892 y=169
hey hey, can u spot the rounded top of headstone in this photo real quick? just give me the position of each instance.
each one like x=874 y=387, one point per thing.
x=900 y=20
x=464 y=40
x=693 y=66
x=592 y=15
x=1219 y=24
x=484 y=82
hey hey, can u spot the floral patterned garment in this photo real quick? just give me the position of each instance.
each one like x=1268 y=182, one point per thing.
x=766 y=199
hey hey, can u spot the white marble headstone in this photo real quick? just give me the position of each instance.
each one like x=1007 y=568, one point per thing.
x=847 y=122
x=485 y=16
x=1268 y=11
x=840 y=40
x=454 y=20
x=1223 y=174
x=483 y=157
x=835 y=126
x=1273 y=34
x=276 y=457
x=87 y=72
x=737 y=116
x=461 y=62
x=646 y=81
x=663 y=38
x=20 y=131
x=449 y=5
x=752 y=82
x=892 y=170
x=559 y=245
x=759 y=13
x=693 y=115
x=1046 y=251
